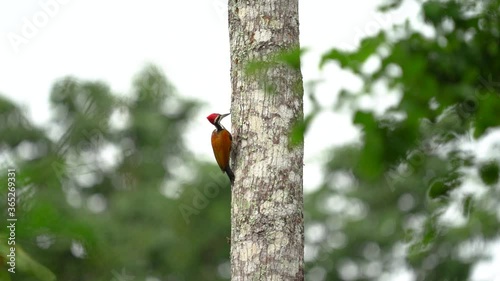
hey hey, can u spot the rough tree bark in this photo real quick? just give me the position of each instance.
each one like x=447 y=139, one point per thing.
x=267 y=236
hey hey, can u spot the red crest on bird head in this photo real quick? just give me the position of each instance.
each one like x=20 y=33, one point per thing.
x=213 y=117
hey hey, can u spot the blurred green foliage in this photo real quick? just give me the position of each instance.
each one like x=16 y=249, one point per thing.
x=412 y=193
x=102 y=190
x=108 y=191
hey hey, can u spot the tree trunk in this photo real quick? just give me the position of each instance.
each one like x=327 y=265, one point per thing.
x=267 y=236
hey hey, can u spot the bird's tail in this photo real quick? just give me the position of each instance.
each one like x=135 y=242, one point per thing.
x=230 y=174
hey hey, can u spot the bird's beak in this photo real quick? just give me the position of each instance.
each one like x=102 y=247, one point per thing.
x=224 y=115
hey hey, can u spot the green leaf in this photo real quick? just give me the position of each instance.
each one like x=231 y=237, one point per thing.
x=487 y=114
x=439 y=188
x=467 y=205
x=291 y=57
x=4 y=274
x=25 y=263
x=394 y=4
x=489 y=173
x=335 y=55
x=365 y=119
x=354 y=60
x=257 y=66
x=371 y=162
x=299 y=129
x=433 y=12
x=369 y=46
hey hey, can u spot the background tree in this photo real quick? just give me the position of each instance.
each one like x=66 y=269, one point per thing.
x=266 y=213
x=101 y=191
x=413 y=193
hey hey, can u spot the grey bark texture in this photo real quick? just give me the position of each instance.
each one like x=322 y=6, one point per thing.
x=267 y=236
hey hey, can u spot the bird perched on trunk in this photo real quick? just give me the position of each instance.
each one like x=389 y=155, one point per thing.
x=221 y=144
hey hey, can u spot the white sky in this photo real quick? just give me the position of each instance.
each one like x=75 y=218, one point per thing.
x=112 y=40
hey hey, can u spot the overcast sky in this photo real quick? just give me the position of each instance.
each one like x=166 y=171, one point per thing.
x=44 y=40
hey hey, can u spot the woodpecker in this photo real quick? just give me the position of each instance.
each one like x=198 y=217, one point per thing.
x=221 y=144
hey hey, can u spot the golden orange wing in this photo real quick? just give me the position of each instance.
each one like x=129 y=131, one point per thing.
x=221 y=143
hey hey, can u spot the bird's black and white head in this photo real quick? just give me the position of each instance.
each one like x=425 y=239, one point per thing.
x=215 y=119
